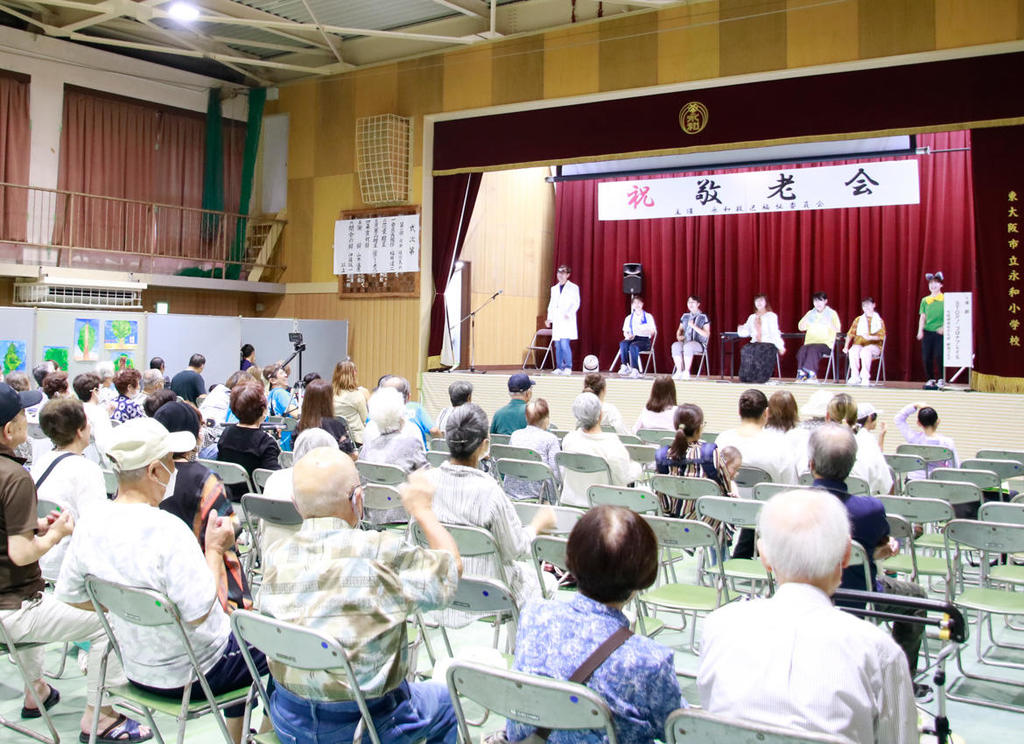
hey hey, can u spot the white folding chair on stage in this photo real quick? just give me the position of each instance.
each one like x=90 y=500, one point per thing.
x=527 y=698
x=693 y=726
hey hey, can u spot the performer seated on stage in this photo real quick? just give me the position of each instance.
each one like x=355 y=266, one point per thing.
x=638 y=332
x=864 y=342
x=758 y=358
x=691 y=338
x=821 y=324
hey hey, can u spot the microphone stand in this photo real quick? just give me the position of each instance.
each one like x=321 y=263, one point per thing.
x=472 y=328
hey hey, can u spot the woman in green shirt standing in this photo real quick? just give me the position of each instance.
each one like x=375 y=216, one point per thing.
x=930 y=328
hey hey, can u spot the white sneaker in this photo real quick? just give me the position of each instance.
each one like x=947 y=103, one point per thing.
x=634 y=373
x=866 y=382
x=686 y=375
x=940 y=384
x=565 y=371
x=854 y=380
x=624 y=370
x=678 y=376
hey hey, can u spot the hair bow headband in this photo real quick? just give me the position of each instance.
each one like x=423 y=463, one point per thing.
x=937 y=276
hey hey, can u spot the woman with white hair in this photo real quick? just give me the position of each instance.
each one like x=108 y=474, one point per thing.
x=107 y=391
x=588 y=439
x=393 y=447
x=467 y=495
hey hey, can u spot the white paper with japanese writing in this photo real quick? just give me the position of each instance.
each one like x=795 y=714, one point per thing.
x=377 y=245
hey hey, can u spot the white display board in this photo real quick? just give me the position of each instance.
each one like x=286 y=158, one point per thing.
x=759 y=192
x=176 y=337
x=958 y=334
x=377 y=245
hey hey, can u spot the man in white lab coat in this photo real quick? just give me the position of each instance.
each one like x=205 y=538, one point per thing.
x=565 y=301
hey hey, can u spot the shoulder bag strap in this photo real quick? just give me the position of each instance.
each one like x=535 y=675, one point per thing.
x=53 y=464
x=588 y=667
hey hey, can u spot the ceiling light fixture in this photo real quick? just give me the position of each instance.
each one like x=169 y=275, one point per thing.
x=182 y=11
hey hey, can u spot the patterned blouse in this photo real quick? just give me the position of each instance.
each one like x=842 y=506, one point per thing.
x=545 y=444
x=126 y=410
x=638 y=681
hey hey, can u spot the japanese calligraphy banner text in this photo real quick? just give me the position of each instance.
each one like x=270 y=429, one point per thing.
x=958 y=336
x=779 y=190
x=377 y=245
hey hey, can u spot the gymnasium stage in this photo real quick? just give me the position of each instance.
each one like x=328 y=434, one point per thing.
x=974 y=420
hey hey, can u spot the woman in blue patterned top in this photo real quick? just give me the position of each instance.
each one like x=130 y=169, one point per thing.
x=125 y=409
x=613 y=554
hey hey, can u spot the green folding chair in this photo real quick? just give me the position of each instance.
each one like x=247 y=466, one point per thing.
x=533 y=472
x=858 y=486
x=231 y=473
x=630 y=439
x=595 y=469
x=549 y=549
x=930 y=453
x=655 y=436
x=510 y=452
x=285 y=459
x=952 y=492
x=901 y=466
x=436 y=459
x=764 y=491
x=737 y=513
x=378 y=497
x=11 y=649
x=683 y=488
x=499 y=438
x=110 y=482
x=386 y=475
x=694 y=726
x=439 y=445
x=151 y=609
x=1001 y=454
x=640 y=500
x=642 y=453
x=260 y=476
x=530 y=699
x=748 y=476
x=566 y=517
x=986 y=480
x=932 y=513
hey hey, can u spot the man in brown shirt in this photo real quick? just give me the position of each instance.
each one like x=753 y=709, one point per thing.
x=29 y=615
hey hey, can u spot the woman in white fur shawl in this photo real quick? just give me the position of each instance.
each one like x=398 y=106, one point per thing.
x=864 y=342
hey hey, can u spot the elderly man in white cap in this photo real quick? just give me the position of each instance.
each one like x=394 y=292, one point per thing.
x=133 y=542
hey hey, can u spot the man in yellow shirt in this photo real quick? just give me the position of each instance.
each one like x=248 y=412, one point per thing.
x=820 y=324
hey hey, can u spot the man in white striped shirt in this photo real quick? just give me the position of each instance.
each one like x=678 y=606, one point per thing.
x=794 y=660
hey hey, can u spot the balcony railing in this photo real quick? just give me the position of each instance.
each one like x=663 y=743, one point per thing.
x=73 y=229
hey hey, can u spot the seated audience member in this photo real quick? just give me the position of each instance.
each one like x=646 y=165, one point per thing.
x=416 y=418
x=395 y=445
x=870 y=426
x=638 y=332
x=613 y=554
x=280 y=400
x=245 y=443
x=537 y=438
x=158 y=363
x=55 y=385
x=466 y=495
x=810 y=666
x=783 y=412
x=731 y=459
x=196 y=494
x=18 y=381
x=821 y=324
x=512 y=415
x=318 y=413
x=248 y=354
x=459 y=393
x=31 y=616
x=588 y=439
x=350 y=399
x=594 y=382
x=126 y=409
x=692 y=337
x=189 y=383
x=759 y=448
x=108 y=392
x=86 y=387
x=928 y=420
x=870 y=464
x=385 y=581
x=152 y=380
x=833 y=450
x=62 y=475
x=760 y=358
x=689 y=456
x=217 y=404
x=109 y=543
x=39 y=373
x=864 y=342
x=157 y=400
x=659 y=412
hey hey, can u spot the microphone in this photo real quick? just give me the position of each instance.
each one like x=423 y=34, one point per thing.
x=500 y=291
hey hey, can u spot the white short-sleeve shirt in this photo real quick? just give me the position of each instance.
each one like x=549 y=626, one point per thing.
x=140 y=545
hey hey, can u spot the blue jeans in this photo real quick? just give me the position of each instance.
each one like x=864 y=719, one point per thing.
x=631 y=350
x=563 y=353
x=405 y=715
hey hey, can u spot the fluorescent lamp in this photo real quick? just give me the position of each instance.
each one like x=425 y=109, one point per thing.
x=182 y=11
x=162 y=308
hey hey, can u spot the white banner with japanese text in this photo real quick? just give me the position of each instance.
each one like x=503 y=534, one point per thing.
x=377 y=245
x=958 y=329
x=779 y=190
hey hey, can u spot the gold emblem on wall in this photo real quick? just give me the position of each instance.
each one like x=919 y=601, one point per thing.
x=693 y=117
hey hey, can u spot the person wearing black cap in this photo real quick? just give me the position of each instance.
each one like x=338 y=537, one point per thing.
x=29 y=615
x=931 y=325
x=195 y=493
x=512 y=416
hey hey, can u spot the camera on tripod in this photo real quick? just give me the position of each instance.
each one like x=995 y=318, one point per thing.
x=296 y=341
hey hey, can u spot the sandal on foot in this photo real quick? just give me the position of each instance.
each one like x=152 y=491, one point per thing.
x=124 y=729
x=51 y=700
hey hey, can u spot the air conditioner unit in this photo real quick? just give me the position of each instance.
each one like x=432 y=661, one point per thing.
x=101 y=295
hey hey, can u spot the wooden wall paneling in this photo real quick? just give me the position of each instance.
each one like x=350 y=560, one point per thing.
x=571 y=61
x=628 y=55
x=889 y=27
x=688 y=43
x=965 y=23
x=518 y=70
x=467 y=78
x=818 y=34
x=752 y=36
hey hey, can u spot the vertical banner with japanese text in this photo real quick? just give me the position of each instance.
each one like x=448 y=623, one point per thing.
x=997 y=158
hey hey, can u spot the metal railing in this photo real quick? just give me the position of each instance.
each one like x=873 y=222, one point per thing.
x=74 y=229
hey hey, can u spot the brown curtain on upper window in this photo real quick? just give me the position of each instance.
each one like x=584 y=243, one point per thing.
x=15 y=146
x=137 y=152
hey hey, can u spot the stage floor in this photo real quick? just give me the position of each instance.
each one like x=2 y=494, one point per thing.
x=974 y=420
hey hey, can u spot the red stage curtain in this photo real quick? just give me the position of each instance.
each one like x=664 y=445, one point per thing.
x=454 y=199
x=15 y=144
x=848 y=253
x=997 y=155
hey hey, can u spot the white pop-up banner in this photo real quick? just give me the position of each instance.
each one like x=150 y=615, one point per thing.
x=779 y=190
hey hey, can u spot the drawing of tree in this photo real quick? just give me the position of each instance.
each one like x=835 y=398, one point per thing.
x=123 y=362
x=86 y=338
x=57 y=355
x=11 y=359
x=121 y=329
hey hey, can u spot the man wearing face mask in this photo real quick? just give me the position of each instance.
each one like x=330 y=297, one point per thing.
x=132 y=542
x=194 y=493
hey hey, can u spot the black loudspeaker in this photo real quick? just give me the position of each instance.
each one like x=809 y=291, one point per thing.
x=633 y=278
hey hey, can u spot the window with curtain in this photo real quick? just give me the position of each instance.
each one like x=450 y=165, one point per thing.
x=15 y=148
x=132 y=151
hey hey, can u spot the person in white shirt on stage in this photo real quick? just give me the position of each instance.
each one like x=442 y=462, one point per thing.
x=638 y=332
x=864 y=342
x=691 y=338
x=820 y=324
x=562 y=307
x=810 y=666
x=766 y=345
